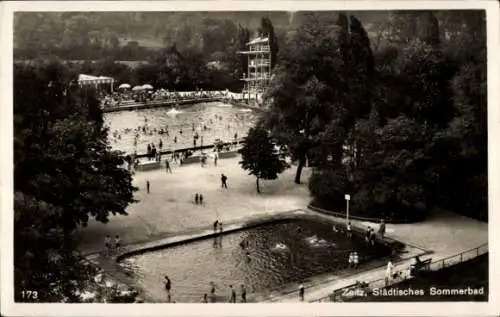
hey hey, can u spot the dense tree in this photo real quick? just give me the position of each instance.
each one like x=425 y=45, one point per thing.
x=298 y=95
x=64 y=174
x=108 y=67
x=260 y=157
x=267 y=29
x=324 y=78
x=424 y=140
x=429 y=27
x=240 y=61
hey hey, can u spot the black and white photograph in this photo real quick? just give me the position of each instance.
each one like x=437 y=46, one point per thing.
x=240 y=156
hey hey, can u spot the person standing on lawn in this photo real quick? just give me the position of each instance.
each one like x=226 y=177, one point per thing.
x=223 y=179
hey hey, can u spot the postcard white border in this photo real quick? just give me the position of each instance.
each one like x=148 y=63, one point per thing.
x=9 y=308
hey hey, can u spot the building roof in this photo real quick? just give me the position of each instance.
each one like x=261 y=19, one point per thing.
x=258 y=40
x=87 y=78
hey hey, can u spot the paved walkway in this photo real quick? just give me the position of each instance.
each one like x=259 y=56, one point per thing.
x=169 y=210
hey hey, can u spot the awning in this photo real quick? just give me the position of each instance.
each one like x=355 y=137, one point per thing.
x=94 y=80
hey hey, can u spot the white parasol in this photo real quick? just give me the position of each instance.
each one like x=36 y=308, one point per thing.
x=147 y=86
x=137 y=88
x=124 y=86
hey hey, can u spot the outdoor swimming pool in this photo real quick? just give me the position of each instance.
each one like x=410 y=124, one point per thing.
x=221 y=120
x=280 y=253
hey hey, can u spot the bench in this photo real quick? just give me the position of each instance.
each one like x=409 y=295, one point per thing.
x=148 y=166
x=424 y=266
x=192 y=159
x=228 y=154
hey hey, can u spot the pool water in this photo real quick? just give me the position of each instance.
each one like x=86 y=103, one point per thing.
x=278 y=254
x=221 y=120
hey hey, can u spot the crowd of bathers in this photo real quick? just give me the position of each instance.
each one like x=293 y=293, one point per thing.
x=196 y=131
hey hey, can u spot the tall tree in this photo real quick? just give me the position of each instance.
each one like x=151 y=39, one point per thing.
x=304 y=92
x=267 y=29
x=429 y=27
x=260 y=157
x=360 y=72
x=424 y=141
x=64 y=174
x=243 y=37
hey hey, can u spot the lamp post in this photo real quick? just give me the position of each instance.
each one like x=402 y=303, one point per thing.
x=347 y=198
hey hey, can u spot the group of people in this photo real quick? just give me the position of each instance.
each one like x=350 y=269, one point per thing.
x=212 y=298
x=371 y=235
x=353 y=259
x=111 y=245
x=217 y=225
x=232 y=294
x=180 y=131
x=123 y=97
x=152 y=153
x=198 y=199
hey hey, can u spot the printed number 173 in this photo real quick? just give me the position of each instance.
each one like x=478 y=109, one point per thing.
x=29 y=295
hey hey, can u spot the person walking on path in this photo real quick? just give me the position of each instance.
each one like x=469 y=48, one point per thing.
x=196 y=198
x=212 y=291
x=373 y=237
x=107 y=244
x=220 y=226
x=200 y=199
x=233 y=294
x=368 y=234
x=349 y=230
x=388 y=272
x=215 y=159
x=223 y=179
x=381 y=229
x=117 y=243
x=167 y=166
x=301 y=292
x=153 y=151
x=168 y=286
x=216 y=222
x=147 y=186
x=243 y=294
x=205 y=298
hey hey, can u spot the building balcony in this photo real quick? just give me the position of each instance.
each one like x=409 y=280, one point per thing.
x=259 y=65
x=265 y=48
x=257 y=50
x=255 y=53
x=262 y=78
